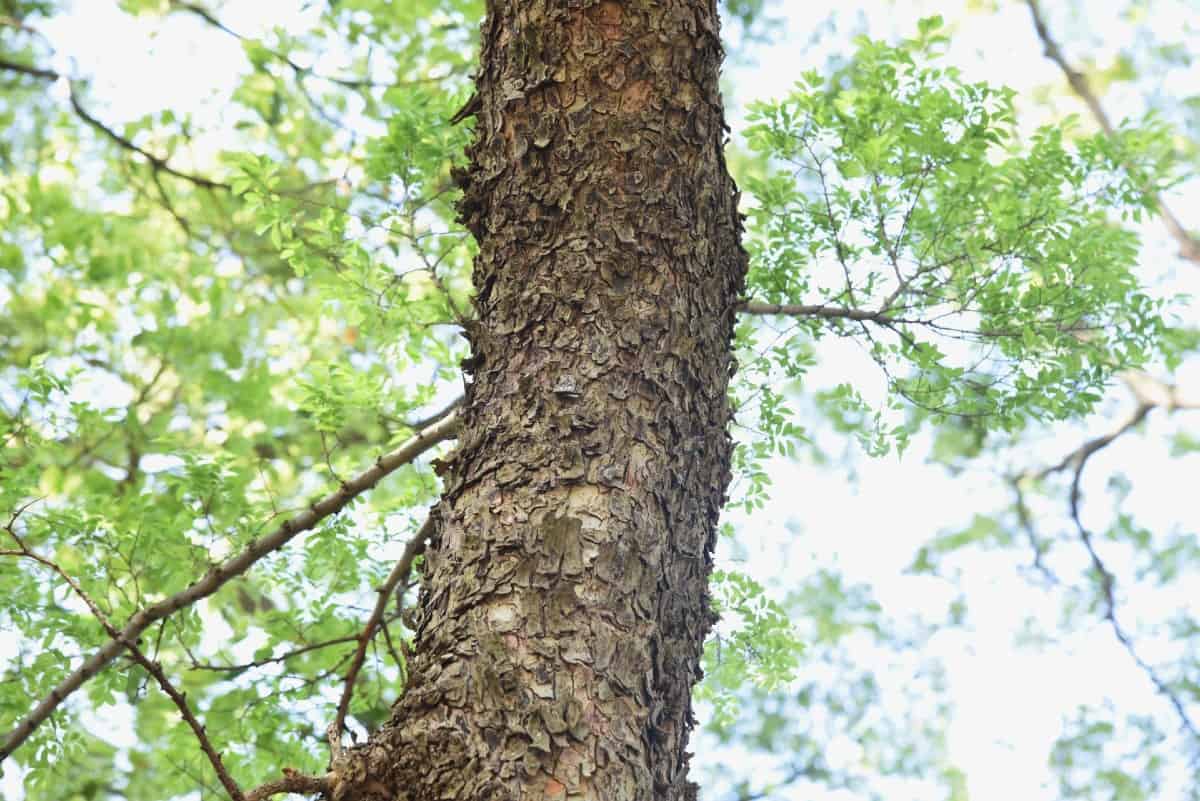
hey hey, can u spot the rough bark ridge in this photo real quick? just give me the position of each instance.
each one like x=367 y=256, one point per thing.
x=564 y=604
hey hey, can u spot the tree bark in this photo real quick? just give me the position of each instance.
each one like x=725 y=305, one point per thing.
x=564 y=603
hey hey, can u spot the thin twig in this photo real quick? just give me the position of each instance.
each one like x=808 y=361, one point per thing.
x=1025 y=519
x=271 y=660
x=198 y=729
x=1108 y=588
x=257 y=663
x=301 y=72
x=158 y=163
x=414 y=548
x=1088 y=448
x=1150 y=395
x=437 y=416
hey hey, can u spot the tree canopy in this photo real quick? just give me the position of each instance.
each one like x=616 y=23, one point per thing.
x=234 y=309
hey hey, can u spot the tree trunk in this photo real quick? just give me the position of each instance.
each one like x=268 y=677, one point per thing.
x=564 y=605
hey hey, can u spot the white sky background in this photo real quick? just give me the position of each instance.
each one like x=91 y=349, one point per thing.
x=1009 y=703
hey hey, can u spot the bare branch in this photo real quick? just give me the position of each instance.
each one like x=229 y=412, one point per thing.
x=1088 y=448
x=158 y=163
x=26 y=69
x=231 y=568
x=185 y=710
x=817 y=310
x=1189 y=245
x=437 y=416
x=415 y=547
x=1151 y=394
x=301 y=71
x=243 y=667
x=1108 y=584
x=1149 y=390
x=292 y=782
x=1025 y=519
x=284 y=657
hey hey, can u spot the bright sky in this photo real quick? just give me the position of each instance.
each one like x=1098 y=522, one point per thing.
x=1009 y=703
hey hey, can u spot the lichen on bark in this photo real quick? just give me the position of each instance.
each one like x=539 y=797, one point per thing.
x=564 y=602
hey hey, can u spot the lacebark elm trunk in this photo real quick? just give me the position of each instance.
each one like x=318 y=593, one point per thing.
x=564 y=604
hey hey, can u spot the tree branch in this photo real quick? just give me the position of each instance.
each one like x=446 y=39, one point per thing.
x=185 y=710
x=1025 y=520
x=235 y=566
x=1189 y=245
x=292 y=782
x=151 y=667
x=1108 y=588
x=26 y=69
x=158 y=163
x=209 y=18
x=415 y=547
x=243 y=667
x=817 y=310
x=1091 y=446
x=437 y=416
x=1150 y=395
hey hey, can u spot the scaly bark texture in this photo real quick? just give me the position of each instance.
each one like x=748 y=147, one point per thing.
x=564 y=605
